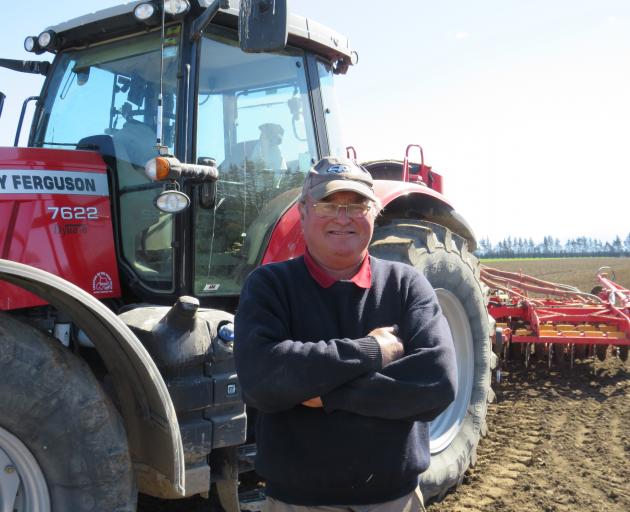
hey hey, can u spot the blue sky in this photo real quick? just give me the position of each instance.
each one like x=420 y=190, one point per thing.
x=524 y=107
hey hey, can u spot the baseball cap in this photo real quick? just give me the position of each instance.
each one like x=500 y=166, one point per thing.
x=332 y=174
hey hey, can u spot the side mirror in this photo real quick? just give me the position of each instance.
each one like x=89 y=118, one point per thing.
x=207 y=190
x=2 y=96
x=207 y=195
x=262 y=25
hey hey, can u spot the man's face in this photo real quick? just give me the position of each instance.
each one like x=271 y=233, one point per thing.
x=272 y=134
x=337 y=242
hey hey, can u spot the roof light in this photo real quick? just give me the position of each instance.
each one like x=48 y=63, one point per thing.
x=158 y=168
x=47 y=40
x=44 y=39
x=176 y=7
x=30 y=44
x=144 y=11
x=172 y=201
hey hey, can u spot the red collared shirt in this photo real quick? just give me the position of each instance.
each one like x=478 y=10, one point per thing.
x=363 y=277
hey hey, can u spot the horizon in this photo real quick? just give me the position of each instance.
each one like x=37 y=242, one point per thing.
x=523 y=108
x=621 y=236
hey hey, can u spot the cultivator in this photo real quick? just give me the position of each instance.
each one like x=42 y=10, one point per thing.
x=536 y=318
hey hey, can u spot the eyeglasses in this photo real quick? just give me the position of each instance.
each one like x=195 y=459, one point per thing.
x=355 y=211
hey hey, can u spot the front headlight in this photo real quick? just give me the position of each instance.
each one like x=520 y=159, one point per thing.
x=172 y=201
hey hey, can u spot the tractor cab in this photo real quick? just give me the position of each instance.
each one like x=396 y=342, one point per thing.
x=261 y=119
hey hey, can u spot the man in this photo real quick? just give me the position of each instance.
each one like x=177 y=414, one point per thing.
x=346 y=358
x=267 y=149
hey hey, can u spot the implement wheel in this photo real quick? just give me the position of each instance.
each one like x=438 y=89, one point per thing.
x=559 y=354
x=62 y=444
x=444 y=260
x=581 y=351
x=601 y=351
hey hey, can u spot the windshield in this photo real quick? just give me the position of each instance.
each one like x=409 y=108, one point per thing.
x=254 y=118
x=109 y=93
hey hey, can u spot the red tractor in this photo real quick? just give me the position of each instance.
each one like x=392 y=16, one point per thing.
x=163 y=165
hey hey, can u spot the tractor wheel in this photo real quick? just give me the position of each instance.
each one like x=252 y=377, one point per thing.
x=442 y=257
x=62 y=444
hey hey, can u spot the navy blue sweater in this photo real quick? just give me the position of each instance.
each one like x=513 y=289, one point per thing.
x=296 y=340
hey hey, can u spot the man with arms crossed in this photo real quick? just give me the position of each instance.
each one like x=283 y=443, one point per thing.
x=346 y=358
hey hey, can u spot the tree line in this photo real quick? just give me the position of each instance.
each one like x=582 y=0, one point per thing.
x=550 y=247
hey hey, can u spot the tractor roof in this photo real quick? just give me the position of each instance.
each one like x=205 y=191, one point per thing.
x=119 y=20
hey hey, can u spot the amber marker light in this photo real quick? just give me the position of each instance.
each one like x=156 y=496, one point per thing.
x=157 y=169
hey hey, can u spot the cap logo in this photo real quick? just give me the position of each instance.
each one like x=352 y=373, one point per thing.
x=338 y=169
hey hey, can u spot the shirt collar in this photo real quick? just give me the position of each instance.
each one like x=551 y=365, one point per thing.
x=363 y=277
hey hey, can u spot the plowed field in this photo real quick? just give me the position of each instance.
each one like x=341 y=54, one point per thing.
x=558 y=440
x=578 y=272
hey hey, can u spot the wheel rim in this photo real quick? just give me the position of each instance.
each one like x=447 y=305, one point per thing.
x=22 y=483
x=446 y=426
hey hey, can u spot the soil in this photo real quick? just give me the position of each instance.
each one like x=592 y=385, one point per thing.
x=557 y=441
x=580 y=272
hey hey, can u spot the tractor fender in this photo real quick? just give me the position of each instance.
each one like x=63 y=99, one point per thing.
x=409 y=200
x=145 y=404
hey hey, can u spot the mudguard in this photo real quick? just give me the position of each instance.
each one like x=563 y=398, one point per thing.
x=148 y=412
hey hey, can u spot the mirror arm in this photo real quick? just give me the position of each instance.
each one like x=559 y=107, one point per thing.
x=36 y=67
x=202 y=22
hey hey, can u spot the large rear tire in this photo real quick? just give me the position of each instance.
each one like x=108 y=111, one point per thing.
x=61 y=439
x=444 y=260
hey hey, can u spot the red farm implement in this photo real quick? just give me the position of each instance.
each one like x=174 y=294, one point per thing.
x=557 y=321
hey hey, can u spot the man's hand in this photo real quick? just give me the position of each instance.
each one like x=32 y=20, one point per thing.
x=313 y=402
x=391 y=345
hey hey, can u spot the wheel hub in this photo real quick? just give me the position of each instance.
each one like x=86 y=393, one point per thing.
x=22 y=484
x=445 y=427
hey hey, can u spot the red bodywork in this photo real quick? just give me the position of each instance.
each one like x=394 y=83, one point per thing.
x=286 y=239
x=55 y=215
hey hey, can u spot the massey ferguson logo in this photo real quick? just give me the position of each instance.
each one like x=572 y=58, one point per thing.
x=22 y=181
x=102 y=283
